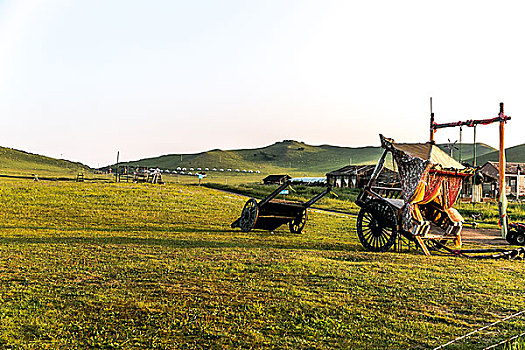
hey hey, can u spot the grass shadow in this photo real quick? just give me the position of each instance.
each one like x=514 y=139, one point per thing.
x=242 y=243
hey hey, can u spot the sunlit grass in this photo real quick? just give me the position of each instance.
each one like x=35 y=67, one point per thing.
x=487 y=213
x=104 y=265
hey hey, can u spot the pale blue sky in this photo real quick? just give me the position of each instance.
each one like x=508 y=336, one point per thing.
x=82 y=79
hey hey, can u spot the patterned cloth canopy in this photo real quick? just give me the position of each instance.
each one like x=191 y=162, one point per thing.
x=427 y=174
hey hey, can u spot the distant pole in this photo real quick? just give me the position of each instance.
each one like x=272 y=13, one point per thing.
x=475 y=148
x=431 y=123
x=116 y=170
x=460 y=141
x=518 y=172
x=502 y=204
x=475 y=164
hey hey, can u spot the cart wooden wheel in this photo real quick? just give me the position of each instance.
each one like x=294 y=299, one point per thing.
x=519 y=238
x=297 y=224
x=377 y=226
x=248 y=215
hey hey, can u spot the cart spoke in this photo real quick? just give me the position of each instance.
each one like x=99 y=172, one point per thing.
x=377 y=226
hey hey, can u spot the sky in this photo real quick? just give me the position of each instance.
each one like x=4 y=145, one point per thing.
x=81 y=80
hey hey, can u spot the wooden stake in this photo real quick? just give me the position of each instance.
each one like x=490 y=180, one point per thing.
x=431 y=123
x=116 y=170
x=502 y=205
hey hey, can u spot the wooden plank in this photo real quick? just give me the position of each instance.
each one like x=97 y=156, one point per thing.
x=422 y=245
x=430 y=236
x=277 y=217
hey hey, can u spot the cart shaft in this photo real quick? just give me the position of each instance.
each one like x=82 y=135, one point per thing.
x=274 y=194
x=316 y=198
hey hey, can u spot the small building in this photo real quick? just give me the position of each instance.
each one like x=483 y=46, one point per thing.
x=357 y=176
x=276 y=179
x=514 y=179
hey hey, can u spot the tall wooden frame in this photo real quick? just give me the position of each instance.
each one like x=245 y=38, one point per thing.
x=502 y=120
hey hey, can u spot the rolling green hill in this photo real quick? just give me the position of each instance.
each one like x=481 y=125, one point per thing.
x=467 y=151
x=282 y=156
x=286 y=156
x=15 y=162
x=512 y=154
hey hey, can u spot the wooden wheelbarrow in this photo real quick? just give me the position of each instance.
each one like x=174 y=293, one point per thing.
x=270 y=213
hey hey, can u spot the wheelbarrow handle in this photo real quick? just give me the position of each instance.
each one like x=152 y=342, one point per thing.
x=319 y=196
x=273 y=194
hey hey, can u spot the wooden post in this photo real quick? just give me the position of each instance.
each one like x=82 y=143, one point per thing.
x=518 y=171
x=502 y=204
x=431 y=123
x=116 y=169
x=432 y=131
x=474 y=162
x=460 y=141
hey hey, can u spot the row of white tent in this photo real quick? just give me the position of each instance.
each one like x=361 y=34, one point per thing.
x=180 y=170
x=160 y=171
x=215 y=169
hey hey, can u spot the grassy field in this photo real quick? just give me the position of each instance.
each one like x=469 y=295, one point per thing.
x=119 y=266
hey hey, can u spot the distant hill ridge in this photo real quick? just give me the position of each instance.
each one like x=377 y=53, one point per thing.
x=287 y=155
x=283 y=156
x=280 y=156
x=466 y=150
x=14 y=161
x=512 y=154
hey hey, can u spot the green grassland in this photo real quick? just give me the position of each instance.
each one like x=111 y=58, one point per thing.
x=120 y=266
x=487 y=213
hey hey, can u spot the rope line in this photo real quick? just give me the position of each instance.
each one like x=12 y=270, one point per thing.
x=505 y=341
x=479 y=330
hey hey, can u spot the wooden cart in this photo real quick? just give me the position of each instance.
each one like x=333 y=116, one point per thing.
x=270 y=213
x=421 y=210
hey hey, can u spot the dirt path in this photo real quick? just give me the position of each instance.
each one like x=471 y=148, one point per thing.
x=483 y=236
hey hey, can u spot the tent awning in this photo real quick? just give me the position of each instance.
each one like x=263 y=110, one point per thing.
x=438 y=159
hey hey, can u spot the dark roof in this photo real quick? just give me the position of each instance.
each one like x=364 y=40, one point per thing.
x=492 y=169
x=275 y=177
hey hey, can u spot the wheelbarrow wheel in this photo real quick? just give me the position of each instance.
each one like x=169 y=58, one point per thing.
x=377 y=226
x=511 y=236
x=249 y=215
x=519 y=238
x=297 y=224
